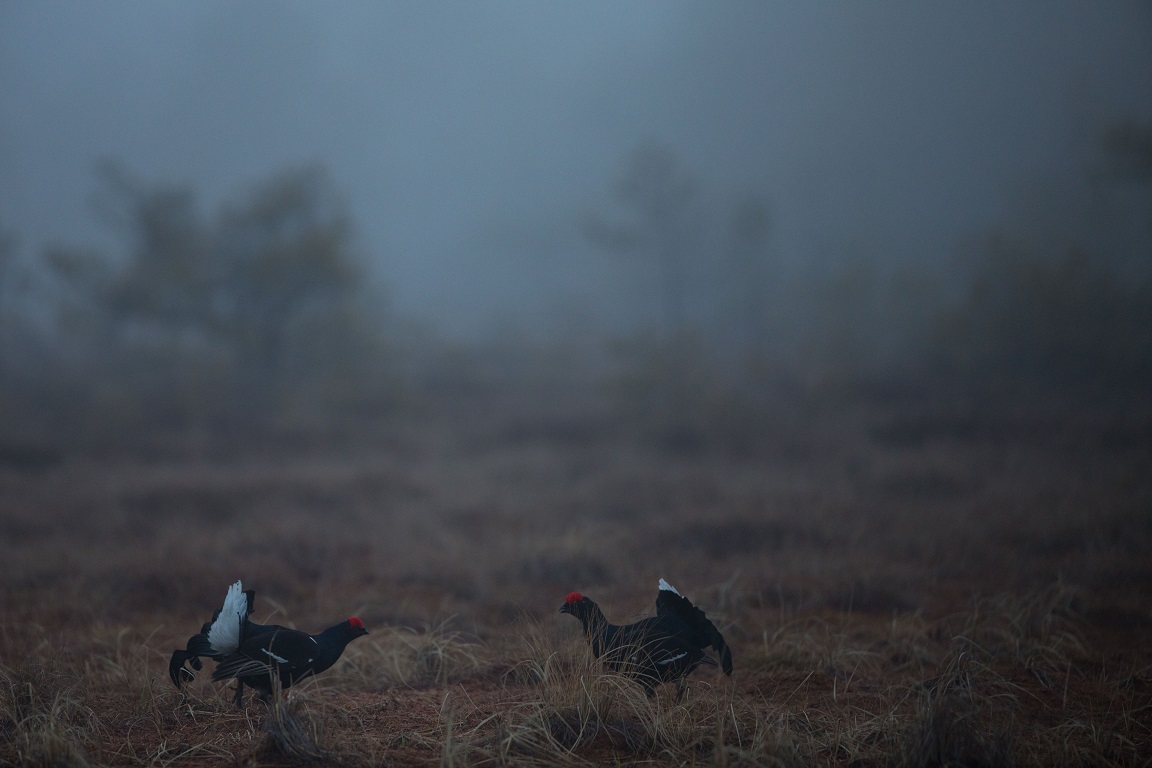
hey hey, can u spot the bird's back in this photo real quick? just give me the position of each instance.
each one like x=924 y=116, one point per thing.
x=290 y=652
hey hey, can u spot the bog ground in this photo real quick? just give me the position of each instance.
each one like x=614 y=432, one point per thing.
x=898 y=588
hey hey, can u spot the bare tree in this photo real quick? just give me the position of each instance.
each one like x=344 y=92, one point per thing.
x=282 y=250
x=1129 y=145
x=654 y=194
x=191 y=322
x=7 y=263
x=750 y=228
x=655 y=199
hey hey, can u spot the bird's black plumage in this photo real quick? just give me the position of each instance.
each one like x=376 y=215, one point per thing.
x=242 y=648
x=286 y=655
x=655 y=650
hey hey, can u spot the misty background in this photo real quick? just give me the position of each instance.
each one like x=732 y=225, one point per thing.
x=226 y=218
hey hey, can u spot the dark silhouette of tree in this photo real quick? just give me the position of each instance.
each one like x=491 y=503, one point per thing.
x=654 y=195
x=1129 y=145
x=194 y=317
x=750 y=228
x=281 y=251
x=7 y=269
x=165 y=284
x=1075 y=319
x=653 y=218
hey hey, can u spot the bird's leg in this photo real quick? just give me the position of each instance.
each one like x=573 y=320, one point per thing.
x=238 y=700
x=681 y=687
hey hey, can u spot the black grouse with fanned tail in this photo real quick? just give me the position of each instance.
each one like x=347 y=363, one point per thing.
x=655 y=650
x=218 y=637
x=252 y=653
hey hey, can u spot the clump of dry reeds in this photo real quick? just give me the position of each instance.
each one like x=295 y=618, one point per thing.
x=43 y=715
x=292 y=731
x=392 y=656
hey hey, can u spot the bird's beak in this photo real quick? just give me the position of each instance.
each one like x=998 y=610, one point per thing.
x=565 y=608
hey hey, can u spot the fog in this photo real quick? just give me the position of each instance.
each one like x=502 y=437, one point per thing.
x=480 y=146
x=470 y=137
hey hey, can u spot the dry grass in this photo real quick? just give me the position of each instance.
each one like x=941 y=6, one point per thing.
x=951 y=601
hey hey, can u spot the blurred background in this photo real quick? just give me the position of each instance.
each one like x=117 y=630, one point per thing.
x=226 y=224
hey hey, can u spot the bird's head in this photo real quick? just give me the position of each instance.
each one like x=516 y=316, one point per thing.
x=577 y=605
x=356 y=627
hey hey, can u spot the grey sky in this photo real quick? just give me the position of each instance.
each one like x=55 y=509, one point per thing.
x=470 y=137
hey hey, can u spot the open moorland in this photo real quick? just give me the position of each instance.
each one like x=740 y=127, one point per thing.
x=432 y=316
x=901 y=584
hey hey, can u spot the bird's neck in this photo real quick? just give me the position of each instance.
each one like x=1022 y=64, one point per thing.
x=331 y=642
x=594 y=622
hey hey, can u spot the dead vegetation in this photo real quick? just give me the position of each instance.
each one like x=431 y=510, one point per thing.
x=952 y=600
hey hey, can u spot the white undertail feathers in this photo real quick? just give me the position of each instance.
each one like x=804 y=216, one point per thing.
x=669 y=588
x=224 y=634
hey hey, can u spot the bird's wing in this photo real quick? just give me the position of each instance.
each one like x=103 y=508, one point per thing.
x=668 y=656
x=284 y=649
x=239 y=665
x=252 y=629
x=285 y=646
x=653 y=638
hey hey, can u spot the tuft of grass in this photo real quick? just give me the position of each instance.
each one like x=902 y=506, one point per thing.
x=49 y=747
x=1038 y=631
x=404 y=656
x=578 y=714
x=965 y=716
x=952 y=727
x=291 y=730
x=43 y=714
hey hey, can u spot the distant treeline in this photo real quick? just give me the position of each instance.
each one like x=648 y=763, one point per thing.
x=265 y=320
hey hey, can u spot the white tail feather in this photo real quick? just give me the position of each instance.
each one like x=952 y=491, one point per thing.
x=224 y=634
x=669 y=588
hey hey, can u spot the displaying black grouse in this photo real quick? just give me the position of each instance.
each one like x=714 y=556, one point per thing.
x=226 y=632
x=655 y=650
x=252 y=653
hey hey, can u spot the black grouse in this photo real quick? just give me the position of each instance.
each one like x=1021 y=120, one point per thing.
x=655 y=650
x=238 y=605
x=251 y=653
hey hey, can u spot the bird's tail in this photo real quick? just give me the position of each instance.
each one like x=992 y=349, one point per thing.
x=713 y=637
x=176 y=669
x=199 y=645
x=669 y=600
x=224 y=634
x=725 y=654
